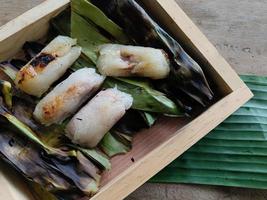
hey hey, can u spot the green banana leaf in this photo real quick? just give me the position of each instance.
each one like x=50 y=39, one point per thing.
x=145 y=98
x=113 y=144
x=99 y=158
x=234 y=153
x=88 y=36
x=95 y=15
x=150 y=118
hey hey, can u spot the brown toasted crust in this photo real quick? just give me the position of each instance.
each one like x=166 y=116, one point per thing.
x=51 y=108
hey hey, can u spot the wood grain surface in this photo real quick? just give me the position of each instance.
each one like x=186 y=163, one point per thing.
x=238 y=29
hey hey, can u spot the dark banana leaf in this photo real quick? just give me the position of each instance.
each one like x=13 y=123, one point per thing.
x=61 y=24
x=234 y=153
x=60 y=168
x=133 y=121
x=40 y=193
x=78 y=175
x=186 y=77
x=17 y=63
x=28 y=133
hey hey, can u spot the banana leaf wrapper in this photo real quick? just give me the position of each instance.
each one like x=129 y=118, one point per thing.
x=78 y=175
x=186 y=77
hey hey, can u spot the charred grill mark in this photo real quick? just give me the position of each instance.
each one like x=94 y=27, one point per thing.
x=42 y=60
x=35 y=66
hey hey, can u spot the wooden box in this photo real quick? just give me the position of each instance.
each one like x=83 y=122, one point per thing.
x=154 y=148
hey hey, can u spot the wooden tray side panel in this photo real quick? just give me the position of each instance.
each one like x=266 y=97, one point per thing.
x=30 y=26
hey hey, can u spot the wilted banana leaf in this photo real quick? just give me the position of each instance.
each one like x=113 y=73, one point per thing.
x=76 y=177
x=186 y=75
x=40 y=193
x=25 y=131
x=234 y=153
x=45 y=153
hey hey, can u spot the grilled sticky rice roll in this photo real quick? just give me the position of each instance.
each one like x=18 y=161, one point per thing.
x=125 y=60
x=67 y=96
x=96 y=118
x=49 y=65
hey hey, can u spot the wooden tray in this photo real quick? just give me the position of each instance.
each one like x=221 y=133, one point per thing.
x=155 y=148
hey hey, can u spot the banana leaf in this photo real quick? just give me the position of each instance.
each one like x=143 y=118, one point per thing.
x=186 y=77
x=145 y=97
x=150 y=118
x=40 y=193
x=234 y=153
x=78 y=175
x=96 y=16
x=115 y=143
x=99 y=158
x=27 y=132
x=88 y=36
